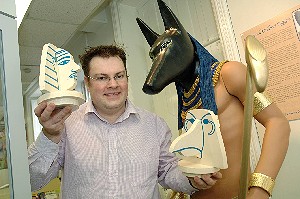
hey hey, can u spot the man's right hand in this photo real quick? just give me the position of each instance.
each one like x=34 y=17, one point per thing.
x=52 y=119
x=205 y=181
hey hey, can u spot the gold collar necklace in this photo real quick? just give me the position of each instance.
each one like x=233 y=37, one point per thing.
x=192 y=99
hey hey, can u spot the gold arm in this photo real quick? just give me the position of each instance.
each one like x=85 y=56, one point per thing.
x=257 y=73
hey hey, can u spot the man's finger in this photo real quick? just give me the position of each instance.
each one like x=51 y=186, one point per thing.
x=62 y=115
x=200 y=183
x=40 y=108
x=217 y=175
x=46 y=114
x=208 y=179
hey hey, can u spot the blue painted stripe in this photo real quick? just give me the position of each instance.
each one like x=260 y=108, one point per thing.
x=190 y=147
x=51 y=85
x=65 y=57
x=51 y=48
x=51 y=69
x=51 y=62
x=62 y=52
x=50 y=55
x=55 y=79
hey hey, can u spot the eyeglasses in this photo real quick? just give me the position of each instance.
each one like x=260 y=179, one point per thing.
x=104 y=79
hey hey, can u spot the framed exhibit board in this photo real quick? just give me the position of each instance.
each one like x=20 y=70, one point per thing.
x=280 y=36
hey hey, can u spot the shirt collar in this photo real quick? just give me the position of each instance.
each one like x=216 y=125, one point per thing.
x=130 y=109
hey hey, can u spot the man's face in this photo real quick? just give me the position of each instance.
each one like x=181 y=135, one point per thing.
x=108 y=84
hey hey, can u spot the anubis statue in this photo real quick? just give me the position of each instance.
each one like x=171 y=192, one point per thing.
x=178 y=57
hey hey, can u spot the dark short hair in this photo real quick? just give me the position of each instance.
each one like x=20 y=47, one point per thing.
x=104 y=51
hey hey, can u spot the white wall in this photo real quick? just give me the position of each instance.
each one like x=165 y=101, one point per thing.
x=245 y=15
x=126 y=32
x=8 y=7
x=21 y=8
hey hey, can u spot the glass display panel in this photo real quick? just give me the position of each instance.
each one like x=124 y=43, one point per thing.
x=4 y=142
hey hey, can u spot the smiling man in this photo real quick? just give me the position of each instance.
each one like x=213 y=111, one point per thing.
x=108 y=148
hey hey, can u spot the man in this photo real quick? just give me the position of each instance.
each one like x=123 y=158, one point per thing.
x=108 y=148
x=204 y=83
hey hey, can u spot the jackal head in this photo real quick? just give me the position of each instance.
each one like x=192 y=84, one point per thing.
x=172 y=52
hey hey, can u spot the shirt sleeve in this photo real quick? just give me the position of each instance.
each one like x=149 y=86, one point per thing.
x=169 y=175
x=45 y=161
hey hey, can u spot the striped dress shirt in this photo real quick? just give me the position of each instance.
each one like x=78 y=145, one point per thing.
x=122 y=160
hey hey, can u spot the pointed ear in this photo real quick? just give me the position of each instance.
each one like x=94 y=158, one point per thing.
x=149 y=34
x=169 y=18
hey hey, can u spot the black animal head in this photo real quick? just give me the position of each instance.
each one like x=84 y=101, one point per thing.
x=171 y=53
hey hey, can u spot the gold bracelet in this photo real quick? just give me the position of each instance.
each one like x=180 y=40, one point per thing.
x=260 y=102
x=262 y=181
